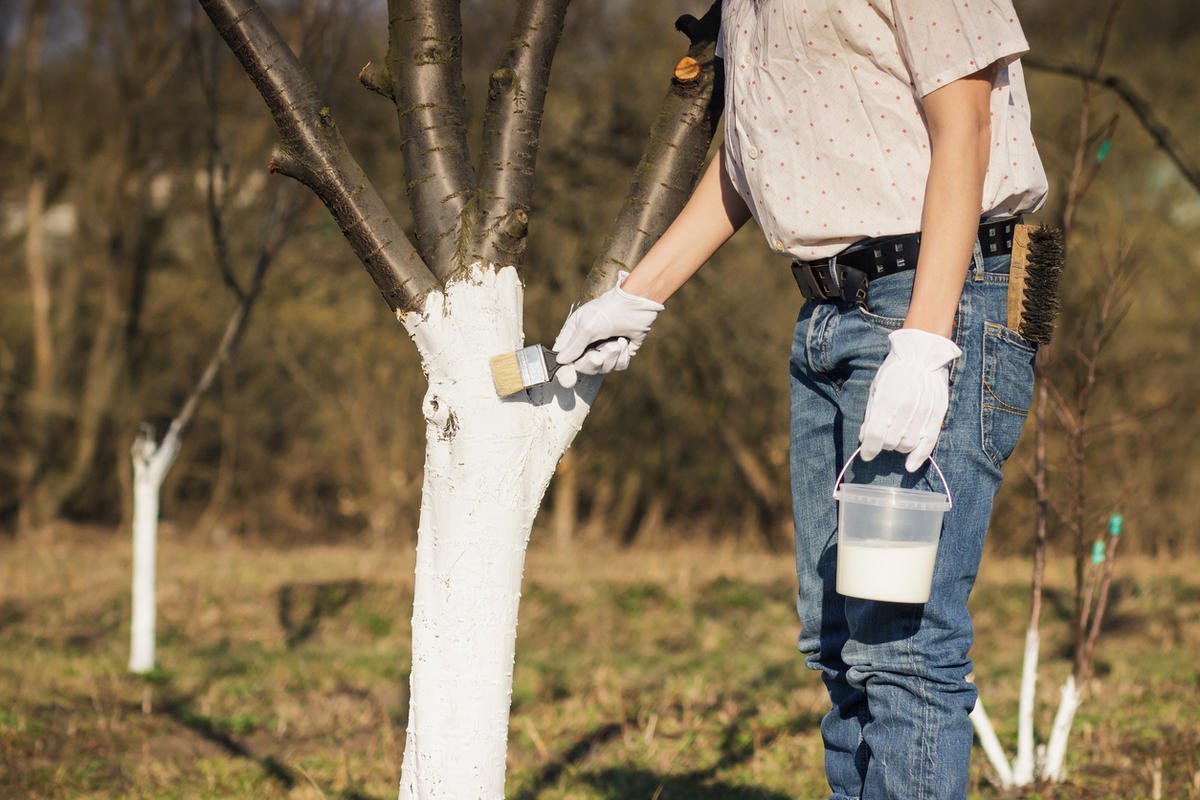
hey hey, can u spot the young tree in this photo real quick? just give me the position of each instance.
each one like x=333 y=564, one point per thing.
x=1069 y=383
x=457 y=290
x=153 y=458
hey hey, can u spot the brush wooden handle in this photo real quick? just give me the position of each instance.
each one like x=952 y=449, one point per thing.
x=1017 y=273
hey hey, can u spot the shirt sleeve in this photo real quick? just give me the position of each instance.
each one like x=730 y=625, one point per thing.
x=944 y=40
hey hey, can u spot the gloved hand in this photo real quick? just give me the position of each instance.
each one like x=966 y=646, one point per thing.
x=616 y=323
x=909 y=396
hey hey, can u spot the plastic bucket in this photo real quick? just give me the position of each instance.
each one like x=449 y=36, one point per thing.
x=887 y=539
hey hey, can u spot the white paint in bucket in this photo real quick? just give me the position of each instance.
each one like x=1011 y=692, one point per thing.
x=887 y=539
x=879 y=569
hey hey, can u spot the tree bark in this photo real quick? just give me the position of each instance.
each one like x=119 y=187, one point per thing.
x=512 y=127
x=425 y=63
x=679 y=138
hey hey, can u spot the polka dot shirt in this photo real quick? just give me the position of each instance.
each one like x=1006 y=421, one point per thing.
x=824 y=132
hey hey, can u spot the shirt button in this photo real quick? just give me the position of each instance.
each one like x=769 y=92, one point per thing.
x=779 y=244
x=746 y=59
x=752 y=151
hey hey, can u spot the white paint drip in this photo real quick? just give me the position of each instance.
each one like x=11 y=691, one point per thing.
x=487 y=464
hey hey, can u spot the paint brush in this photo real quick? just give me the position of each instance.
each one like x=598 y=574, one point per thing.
x=529 y=366
x=532 y=366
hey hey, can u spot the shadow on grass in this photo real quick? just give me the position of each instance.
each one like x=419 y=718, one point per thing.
x=627 y=783
x=322 y=599
x=739 y=742
x=578 y=751
x=181 y=712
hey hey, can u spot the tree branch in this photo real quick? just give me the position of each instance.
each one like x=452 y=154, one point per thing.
x=313 y=152
x=674 y=154
x=1140 y=107
x=425 y=60
x=512 y=127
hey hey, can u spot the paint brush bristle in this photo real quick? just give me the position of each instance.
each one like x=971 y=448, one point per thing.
x=529 y=366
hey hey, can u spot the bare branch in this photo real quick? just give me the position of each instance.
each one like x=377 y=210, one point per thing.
x=313 y=152
x=283 y=226
x=512 y=127
x=1140 y=107
x=673 y=157
x=425 y=59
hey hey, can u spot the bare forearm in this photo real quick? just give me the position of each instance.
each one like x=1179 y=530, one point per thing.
x=960 y=139
x=714 y=213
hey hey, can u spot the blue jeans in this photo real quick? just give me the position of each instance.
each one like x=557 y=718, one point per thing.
x=896 y=672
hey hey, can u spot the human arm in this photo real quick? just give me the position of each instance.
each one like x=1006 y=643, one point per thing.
x=910 y=393
x=714 y=213
x=623 y=314
x=959 y=122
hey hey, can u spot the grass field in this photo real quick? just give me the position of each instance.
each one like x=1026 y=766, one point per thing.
x=640 y=674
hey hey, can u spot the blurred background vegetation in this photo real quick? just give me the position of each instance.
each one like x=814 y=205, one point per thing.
x=314 y=431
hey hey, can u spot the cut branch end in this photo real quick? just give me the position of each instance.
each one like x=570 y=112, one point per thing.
x=688 y=69
x=378 y=79
x=285 y=163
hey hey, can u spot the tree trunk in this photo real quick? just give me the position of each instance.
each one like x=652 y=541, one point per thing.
x=1056 y=747
x=150 y=464
x=488 y=462
x=991 y=744
x=41 y=395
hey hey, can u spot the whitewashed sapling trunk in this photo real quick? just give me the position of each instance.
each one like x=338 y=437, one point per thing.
x=1023 y=764
x=1056 y=747
x=991 y=744
x=151 y=461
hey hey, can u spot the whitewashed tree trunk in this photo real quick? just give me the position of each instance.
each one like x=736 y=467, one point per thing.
x=1023 y=764
x=1056 y=746
x=488 y=462
x=151 y=461
x=991 y=744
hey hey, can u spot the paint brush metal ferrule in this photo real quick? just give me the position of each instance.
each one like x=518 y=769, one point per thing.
x=535 y=363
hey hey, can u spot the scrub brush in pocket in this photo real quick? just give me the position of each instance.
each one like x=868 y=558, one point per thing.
x=1037 y=264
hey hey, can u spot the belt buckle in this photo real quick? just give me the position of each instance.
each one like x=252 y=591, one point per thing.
x=826 y=281
x=807 y=280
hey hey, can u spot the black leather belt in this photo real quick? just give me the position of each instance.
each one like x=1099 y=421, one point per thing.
x=846 y=275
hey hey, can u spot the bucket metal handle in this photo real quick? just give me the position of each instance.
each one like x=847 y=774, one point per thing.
x=837 y=484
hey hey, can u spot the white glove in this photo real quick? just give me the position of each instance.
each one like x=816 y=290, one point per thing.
x=616 y=323
x=909 y=396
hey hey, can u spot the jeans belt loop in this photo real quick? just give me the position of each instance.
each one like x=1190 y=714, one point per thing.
x=835 y=280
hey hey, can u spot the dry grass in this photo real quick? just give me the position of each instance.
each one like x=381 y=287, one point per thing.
x=640 y=674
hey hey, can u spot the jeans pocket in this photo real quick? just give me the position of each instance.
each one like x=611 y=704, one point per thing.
x=887 y=300
x=1006 y=390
